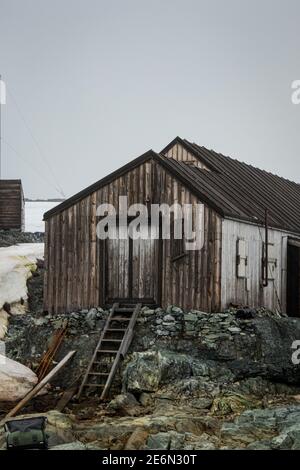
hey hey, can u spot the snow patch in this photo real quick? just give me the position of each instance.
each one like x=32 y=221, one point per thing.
x=16 y=265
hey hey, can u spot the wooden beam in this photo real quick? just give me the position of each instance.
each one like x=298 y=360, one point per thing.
x=39 y=386
x=65 y=398
x=293 y=242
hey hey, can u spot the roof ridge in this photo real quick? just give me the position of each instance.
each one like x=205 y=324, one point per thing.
x=242 y=162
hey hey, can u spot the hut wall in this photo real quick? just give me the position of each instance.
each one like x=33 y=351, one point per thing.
x=195 y=280
x=178 y=152
x=75 y=258
x=11 y=205
x=249 y=290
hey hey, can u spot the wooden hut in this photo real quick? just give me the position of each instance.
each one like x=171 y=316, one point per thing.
x=12 y=205
x=251 y=238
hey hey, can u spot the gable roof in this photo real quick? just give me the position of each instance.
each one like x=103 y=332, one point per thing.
x=173 y=167
x=99 y=184
x=233 y=189
x=241 y=190
x=15 y=185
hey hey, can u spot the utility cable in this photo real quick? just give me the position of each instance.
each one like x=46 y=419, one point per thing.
x=21 y=157
x=38 y=146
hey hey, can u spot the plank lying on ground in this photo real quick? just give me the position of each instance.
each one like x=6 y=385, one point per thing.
x=68 y=394
x=40 y=385
x=65 y=398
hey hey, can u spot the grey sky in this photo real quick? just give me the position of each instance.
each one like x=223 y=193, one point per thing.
x=100 y=82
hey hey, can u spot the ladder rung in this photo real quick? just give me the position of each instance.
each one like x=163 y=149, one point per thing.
x=120 y=319
x=94 y=385
x=107 y=351
x=124 y=310
x=107 y=340
x=99 y=373
x=116 y=329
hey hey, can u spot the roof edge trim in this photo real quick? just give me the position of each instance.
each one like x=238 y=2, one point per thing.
x=99 y=184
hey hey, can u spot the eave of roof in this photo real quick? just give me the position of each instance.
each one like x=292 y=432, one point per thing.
x=15 y=181
x=99 y=184
x=171 y=166
x=252 y=190
x=223 y=188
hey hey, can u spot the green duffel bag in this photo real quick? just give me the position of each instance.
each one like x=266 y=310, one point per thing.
x=26 y=433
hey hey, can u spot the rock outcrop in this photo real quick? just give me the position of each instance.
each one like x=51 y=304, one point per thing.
x=15 y=380
x=241 y=347
x=276 y=428
x=191 y=380
x=257 y=346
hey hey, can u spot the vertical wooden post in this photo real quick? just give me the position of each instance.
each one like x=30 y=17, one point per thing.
x=266 y=253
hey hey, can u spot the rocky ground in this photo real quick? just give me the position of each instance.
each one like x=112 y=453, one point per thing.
x=191 y=380
x=11 y=237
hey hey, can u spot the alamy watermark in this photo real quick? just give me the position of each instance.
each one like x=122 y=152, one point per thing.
x=2 y=353
x=140 y=221
x=296 y=353
x=2 y=92
x=295 y=97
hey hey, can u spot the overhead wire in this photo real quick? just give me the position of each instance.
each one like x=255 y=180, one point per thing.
x=21 y=157
x=59 y=188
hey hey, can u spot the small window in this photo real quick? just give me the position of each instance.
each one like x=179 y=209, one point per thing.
x=178 y=250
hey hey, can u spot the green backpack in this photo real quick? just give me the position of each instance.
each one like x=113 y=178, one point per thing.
x=26 y=433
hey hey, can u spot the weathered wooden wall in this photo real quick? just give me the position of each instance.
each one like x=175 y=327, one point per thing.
x=11 y=205
x=178 y=152
x=204 y=279
x=234 y=289
x=195 y=280
x=248 y=290
x=74 y=257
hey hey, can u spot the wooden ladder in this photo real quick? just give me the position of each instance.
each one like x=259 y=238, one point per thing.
x=113 y=344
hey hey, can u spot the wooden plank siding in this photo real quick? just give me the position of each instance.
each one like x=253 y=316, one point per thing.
x=178 y=152
x=75 y=258
x=206 y=279
x=234 y=289
x=12 y=205
x=194 y=280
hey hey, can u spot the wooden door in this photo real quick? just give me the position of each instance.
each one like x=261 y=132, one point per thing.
x=132 y=268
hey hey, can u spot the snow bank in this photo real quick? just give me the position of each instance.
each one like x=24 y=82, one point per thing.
x=16 y=264
x=34 y=213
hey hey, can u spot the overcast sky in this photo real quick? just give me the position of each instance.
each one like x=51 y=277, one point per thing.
x=93 y=84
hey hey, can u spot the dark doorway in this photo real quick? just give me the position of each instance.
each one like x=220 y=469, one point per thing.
x=293 y=280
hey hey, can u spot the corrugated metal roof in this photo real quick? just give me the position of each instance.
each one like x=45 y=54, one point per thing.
x=243 y=191
x=233 y=188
